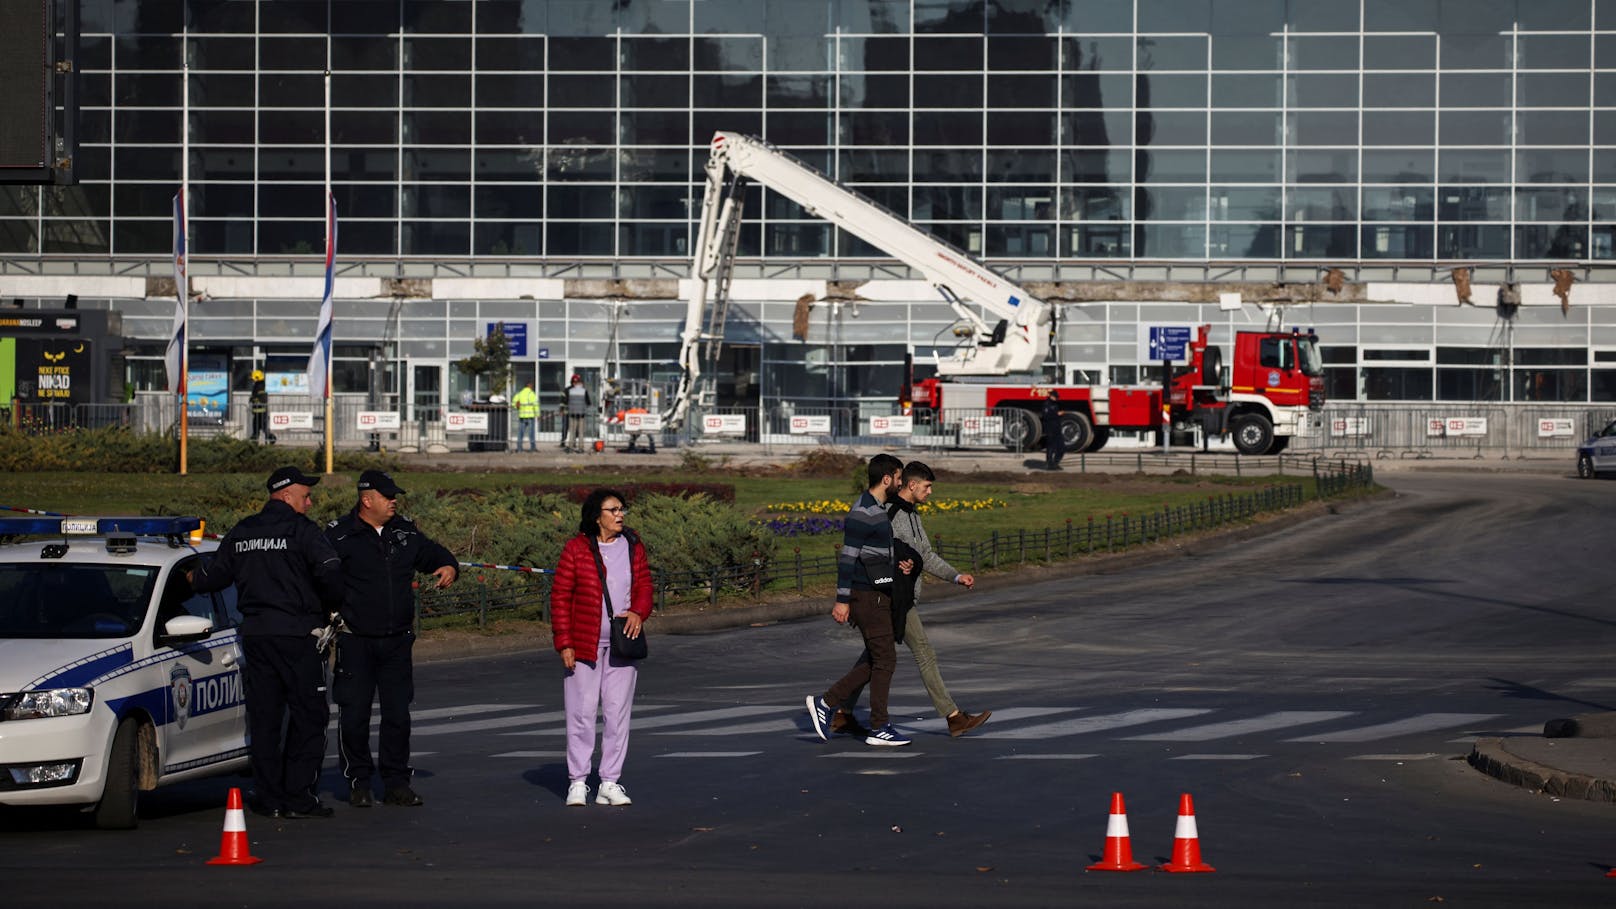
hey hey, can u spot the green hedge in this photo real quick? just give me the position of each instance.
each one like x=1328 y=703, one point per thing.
x=118 y=450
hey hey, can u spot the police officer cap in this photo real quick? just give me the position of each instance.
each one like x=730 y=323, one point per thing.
x=380 y=482
x=286 y=476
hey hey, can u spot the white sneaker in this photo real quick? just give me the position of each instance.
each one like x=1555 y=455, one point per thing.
x=612 y=793
x=577 y=794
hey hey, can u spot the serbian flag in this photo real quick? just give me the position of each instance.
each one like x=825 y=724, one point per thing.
x=174 y=356
x=320 y=358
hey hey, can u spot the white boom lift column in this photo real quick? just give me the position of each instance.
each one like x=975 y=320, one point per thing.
x=1017 y=343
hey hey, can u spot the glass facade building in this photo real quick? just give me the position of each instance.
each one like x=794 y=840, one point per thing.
x=1164 y=141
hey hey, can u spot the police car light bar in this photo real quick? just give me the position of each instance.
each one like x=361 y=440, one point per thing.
x=91 y=526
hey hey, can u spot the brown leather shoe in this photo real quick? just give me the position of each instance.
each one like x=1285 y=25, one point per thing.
x=962 y=722
x=846 y=724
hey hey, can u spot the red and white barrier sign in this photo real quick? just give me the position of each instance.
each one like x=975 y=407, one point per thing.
x=291 y=420
x=724 y=424
x=1456 y=426
x=892 y=426
x=1349 y=426
x=376 y=420
x=1556 y=428
x=644 y=422
x=806 y=425
x=982 y=426
x=456 y=421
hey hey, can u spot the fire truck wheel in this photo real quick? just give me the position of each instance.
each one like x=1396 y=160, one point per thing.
x=1253 y=434
x=1280 y=443
x=1075 y=431
x=1020 y=431
x=1101 y=436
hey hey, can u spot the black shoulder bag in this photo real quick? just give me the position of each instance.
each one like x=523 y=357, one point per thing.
x=623 y=646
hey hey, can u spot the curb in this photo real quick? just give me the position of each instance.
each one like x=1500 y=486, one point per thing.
x=1491 y=757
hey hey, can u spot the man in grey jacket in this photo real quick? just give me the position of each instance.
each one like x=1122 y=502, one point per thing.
x=914 y=489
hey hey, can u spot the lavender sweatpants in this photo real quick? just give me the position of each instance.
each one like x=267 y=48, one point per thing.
x=607 y=684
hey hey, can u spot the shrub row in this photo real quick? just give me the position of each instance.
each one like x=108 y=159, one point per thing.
x=119 y=450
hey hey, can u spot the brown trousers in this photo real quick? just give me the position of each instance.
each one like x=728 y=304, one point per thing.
x=871 y=612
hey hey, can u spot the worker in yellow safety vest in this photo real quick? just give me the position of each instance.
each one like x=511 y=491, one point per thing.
x=527 y=411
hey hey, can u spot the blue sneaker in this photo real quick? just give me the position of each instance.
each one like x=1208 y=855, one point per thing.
x=885 y=735
x=820 y=712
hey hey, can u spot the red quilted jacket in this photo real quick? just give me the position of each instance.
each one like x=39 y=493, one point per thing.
x=576 y=597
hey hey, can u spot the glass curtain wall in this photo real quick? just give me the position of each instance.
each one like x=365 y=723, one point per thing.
x=1019 y=129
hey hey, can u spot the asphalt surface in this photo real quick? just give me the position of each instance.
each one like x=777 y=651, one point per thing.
x=1317 y=689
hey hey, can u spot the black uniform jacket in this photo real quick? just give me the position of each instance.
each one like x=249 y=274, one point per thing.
x=378 y=569
x=288 y=577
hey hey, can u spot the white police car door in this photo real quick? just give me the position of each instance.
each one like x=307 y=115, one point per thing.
x=206 y=714
x=1604 y=448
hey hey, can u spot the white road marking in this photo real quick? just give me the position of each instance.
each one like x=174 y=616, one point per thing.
x=709 y=754
x=1046 y=757
x=1218 y=757
x=1394 y=757
x=1423 y=722
x=876 y=753
x=1234 y=728
x=530 y=754
x=1085 y=724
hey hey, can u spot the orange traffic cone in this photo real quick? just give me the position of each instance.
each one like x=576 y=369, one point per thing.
x=233 y=848
x=1186 y=841
x=1118 y=851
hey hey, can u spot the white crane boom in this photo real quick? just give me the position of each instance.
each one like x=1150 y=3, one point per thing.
x=1018 y=343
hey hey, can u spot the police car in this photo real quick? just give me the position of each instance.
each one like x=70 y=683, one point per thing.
x=1598 y=454
x=115 y=677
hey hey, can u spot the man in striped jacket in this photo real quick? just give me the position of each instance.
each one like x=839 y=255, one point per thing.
x=864 y=574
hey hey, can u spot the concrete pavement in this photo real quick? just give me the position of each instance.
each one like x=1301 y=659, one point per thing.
x=1577 y=759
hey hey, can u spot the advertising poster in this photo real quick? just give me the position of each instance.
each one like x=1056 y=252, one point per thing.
x=207 y=396
x=46 y=370
x=286 y=383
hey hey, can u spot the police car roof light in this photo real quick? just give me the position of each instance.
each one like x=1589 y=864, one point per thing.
x=99 y=526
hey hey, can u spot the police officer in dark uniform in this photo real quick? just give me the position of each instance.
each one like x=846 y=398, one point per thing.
x=289 y=580
x=1054 y=440
x=381 y=552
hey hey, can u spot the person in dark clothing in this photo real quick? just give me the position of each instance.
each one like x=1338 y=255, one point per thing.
x=288 y=579
x=1054 y=441
x=864 y=573
x=258 y=402
x=381 y=552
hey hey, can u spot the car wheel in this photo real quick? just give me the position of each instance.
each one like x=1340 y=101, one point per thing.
x=1253 y=434
x=1585 y=467
x=121 y=798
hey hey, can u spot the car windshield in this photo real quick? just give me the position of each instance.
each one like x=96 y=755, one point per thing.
x=1312 y=363
x=50 y=599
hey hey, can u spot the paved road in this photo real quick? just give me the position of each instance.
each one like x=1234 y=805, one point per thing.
x=1315 y=690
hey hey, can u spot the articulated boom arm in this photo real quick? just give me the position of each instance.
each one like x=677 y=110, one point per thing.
x=961 y=279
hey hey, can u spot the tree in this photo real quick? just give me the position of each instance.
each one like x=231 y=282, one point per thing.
x=490 y=360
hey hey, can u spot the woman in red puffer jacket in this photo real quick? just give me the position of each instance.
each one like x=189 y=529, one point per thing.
x=603 y=568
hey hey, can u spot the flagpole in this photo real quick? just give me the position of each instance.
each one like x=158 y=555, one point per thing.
x=184 y=290
x=330 y=238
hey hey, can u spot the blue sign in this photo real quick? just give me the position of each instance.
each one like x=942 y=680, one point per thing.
x=515 y=336
x=544 y=353
x=1169 y=342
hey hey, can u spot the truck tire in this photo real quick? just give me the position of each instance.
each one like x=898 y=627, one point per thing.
x=1279 y=444
x=1252 y=434
x=1211 y=366
x=1076 y=431
x=1020 y=432
x=121 y=798
x=1102 y=435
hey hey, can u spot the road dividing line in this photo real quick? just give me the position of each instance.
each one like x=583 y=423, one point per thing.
x=1424 y=722
x=1085 y=724
x=1233 y=728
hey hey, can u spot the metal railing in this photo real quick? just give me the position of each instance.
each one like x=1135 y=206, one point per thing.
x=1460 y=429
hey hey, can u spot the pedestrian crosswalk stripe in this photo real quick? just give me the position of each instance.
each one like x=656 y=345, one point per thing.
x=710 y=754
x=464 y=710
x=502 y=722
x=878 y=753
x=1046 y=757
x=1420 y=723
x=1000 y=717
x=1084 y=724
x=1218 y=757
x=531 y=754
x=1232 y=728
x=1394 y=757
